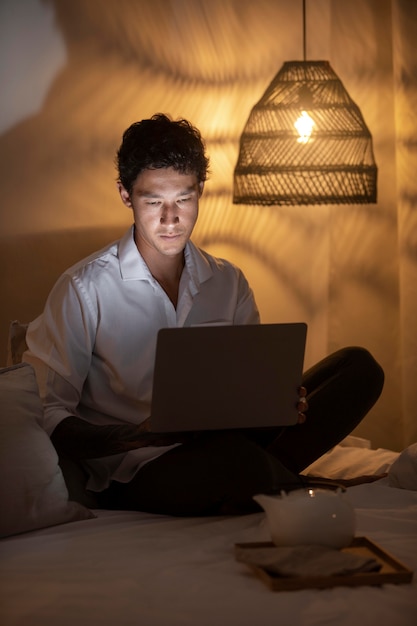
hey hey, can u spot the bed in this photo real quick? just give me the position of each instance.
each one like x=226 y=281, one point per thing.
x=63 y=563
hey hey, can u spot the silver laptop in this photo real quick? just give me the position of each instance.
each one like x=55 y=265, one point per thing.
x=223 y=377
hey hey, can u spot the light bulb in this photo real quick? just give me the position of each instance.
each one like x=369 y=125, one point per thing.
x=304 y=126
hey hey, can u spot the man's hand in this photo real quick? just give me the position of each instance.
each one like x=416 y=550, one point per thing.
x=143 y=437
x=78 y=439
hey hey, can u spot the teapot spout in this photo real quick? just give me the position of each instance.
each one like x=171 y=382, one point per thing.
x=267 y=503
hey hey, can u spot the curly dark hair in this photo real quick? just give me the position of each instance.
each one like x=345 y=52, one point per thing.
x=160 y=142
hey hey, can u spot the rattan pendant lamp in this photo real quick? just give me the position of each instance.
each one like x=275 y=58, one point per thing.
x=305 y=142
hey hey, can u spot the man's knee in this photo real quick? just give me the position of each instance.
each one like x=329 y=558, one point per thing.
x=366 y=367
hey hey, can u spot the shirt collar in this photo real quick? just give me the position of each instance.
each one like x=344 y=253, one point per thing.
x=132 y=265
x=197 y=265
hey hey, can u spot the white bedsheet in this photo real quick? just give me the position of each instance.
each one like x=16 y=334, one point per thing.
x=127 y=568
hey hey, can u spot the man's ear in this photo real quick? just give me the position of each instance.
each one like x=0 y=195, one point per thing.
x=200 y=189
x=124 y=194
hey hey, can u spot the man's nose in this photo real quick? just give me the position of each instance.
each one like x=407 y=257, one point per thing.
x=169 y=214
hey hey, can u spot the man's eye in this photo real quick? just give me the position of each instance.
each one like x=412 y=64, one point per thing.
x=185 y=199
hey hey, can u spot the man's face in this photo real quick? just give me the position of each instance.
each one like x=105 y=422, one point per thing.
x=165 y=209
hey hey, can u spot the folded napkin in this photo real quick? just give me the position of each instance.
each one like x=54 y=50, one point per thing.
x=312 y=560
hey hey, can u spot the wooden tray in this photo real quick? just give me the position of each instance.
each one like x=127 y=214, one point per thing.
x=392 y=571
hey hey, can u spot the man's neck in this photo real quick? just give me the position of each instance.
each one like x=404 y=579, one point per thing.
x=167 y=271
x=168 y=276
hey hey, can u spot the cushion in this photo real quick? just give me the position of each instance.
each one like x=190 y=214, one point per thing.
x=33 y=493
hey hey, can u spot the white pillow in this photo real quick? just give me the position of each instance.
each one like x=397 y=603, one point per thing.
x=403 y=473
x=33 y=493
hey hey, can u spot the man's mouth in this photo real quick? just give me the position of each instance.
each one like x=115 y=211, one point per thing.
x=170 y=235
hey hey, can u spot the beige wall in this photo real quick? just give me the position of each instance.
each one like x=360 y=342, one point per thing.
x=110 y=63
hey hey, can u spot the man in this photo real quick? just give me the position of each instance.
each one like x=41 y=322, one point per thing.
x=93 y=350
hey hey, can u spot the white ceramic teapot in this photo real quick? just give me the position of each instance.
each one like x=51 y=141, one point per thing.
x=312 y=515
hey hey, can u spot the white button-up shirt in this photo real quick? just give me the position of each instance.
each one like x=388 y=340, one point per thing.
x=93 y=348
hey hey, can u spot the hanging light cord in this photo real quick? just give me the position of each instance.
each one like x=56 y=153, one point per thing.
x=304 y=30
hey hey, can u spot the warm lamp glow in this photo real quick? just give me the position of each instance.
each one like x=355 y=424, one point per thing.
x=304 y=126
x=325 y=157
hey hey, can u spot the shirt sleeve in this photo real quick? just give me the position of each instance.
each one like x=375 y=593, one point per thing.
x=246 y=309
x=60 y=344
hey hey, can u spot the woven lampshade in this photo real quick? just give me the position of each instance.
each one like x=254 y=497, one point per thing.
x=334 y=165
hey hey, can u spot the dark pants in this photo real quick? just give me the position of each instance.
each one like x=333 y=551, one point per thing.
x=219 y=472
